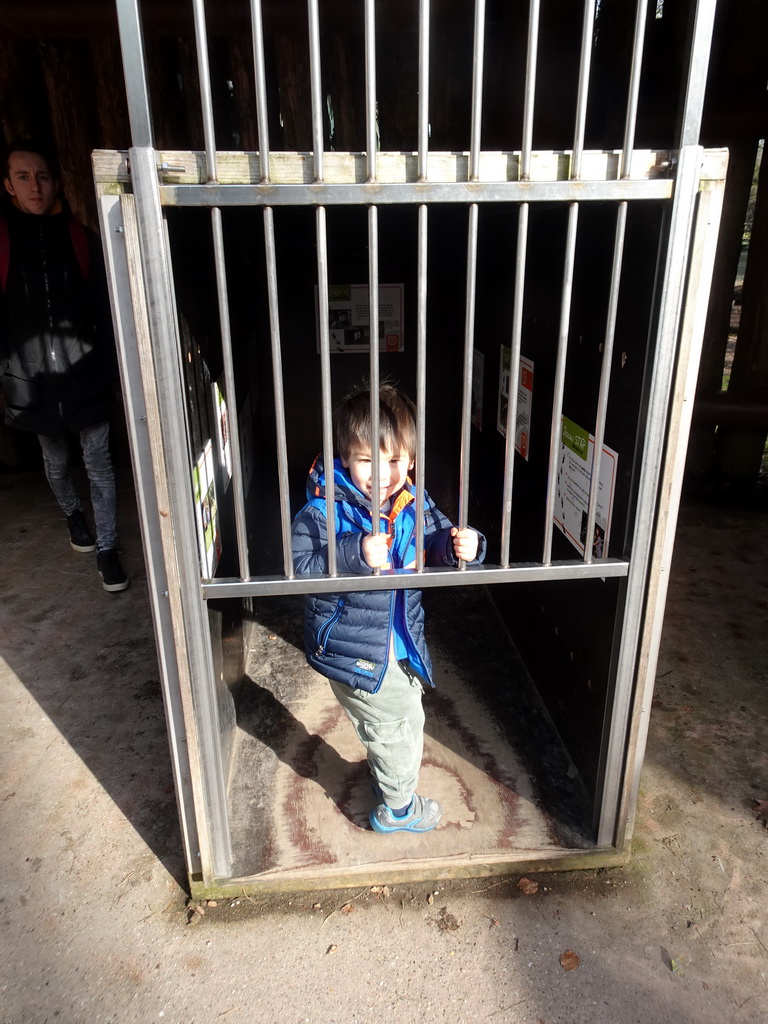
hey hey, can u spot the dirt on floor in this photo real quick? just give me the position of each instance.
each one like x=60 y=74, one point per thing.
x=96 y=924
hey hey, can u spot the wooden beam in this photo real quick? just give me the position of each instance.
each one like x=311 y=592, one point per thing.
x=189 y=168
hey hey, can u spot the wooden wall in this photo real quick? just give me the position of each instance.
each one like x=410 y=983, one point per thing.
x=61 y=78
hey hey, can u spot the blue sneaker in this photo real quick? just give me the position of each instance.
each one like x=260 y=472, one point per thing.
x=422 y=816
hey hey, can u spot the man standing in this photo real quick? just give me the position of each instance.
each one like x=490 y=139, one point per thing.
x=57 y=356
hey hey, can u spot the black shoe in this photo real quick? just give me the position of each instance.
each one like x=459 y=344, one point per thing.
x=80 y=536
x=112 y=576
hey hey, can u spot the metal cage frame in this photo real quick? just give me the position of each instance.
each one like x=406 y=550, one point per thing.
x=134 y=189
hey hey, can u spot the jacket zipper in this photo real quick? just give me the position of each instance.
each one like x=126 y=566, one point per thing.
x=389 y=638
x=325 y=630
x=414 y=648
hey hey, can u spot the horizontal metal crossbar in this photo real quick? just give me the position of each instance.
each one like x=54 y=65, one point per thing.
x=370 y=193
x=403 y=579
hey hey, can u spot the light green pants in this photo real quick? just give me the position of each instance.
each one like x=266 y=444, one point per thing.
x=390 y=725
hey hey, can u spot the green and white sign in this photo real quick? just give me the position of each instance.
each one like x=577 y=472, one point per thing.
x=574 y=477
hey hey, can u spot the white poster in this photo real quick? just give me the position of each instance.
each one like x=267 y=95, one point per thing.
x=349 y=318
x=524 y=401
x=574 y=476
x=222 y=431
x=206 y=511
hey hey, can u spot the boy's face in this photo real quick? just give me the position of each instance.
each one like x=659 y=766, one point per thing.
x=31 y=183
x=393 y=471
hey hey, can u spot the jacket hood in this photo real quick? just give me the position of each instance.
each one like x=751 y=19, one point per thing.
x=346 y=492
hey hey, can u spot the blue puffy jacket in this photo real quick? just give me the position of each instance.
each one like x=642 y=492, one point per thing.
x=348 y=636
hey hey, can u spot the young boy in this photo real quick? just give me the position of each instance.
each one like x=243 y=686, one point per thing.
x=370 y=644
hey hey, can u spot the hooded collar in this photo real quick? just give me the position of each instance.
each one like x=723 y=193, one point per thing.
x=345 y=491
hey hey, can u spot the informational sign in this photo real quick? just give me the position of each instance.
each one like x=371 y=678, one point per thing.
x=222 y=431
x=574 y=477
x=478 y=375
x=206 y=511
x=349 y=318
x=524 y=400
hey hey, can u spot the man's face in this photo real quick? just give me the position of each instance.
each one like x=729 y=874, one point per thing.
x=393 y=471
x=31 y=183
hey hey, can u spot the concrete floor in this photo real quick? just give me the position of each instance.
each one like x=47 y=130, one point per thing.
x=94 y=921
x=492 y=759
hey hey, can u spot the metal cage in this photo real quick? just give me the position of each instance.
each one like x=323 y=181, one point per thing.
x=140 y=190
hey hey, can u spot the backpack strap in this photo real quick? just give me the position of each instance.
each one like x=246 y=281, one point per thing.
x=5 y=253
x=79 y=244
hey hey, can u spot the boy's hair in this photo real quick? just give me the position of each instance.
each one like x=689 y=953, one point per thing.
x=36 y=146
x=397 y=421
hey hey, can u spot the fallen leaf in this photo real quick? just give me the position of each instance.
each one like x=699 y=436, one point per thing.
x=430 y=899
x=347 y=908
x=527 y=886
x=569 y=960
x=386 y=891
x=494 y=923
x=376 y=888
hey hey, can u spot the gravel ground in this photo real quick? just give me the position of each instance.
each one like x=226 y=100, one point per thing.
x=95 y=920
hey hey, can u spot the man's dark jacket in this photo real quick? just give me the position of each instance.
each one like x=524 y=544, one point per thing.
x=57 y=356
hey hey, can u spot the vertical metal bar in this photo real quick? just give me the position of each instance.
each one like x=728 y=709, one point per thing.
x=134 y=70
x=370 y=87
x=469 y=342
x=423 y=88
x=683 y=205
x=478 y=55
x=260 y=76
x=373 y=309
x=206 y=101
x=325 y=374
x=634 y=89
x=217 y=857
x=322 y=285
x=421 y=381
x=478 y=51
x=530 y=90
x=277 y=384
x=557 y=398
x=660 y=375
x=117 y=217
x=421 y=283
x=605 y=379
x=693 y=106
x=231 y=396
x=582 y=94
x=703 y=252
x=373 y=258
x=316 y=89
x=514 y=377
